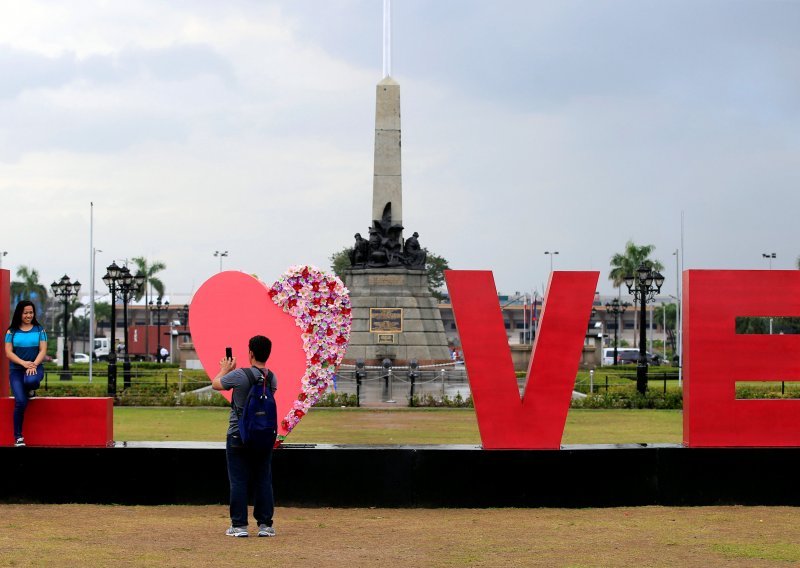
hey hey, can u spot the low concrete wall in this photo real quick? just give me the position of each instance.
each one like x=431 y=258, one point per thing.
x=590 y=357
x=408 y=476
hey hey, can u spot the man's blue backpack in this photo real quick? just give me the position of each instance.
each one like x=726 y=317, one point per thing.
x=258 y=421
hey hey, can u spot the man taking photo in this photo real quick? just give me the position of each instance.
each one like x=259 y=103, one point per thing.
x=249 y=468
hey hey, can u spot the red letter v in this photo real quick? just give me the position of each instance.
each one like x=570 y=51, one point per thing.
x=535 y=421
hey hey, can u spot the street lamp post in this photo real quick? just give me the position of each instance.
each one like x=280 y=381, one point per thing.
x=644 y=285
x=113 y=274
x=66 y=291
x=128 y=285
x=551 y=254
x=158 y=307
x=2 y=254
x=769 y=256
x=616 y=308
x=220 y=254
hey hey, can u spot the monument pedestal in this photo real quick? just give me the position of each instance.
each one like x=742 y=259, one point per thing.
x=395 y=317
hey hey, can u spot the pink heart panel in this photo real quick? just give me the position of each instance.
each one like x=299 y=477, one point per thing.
x=230 y=308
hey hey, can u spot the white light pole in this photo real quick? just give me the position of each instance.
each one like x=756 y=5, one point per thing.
x=769 y=256
x=551 y=254
x=220 y=255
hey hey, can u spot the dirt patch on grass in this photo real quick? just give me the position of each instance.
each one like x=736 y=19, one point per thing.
x=81 y=535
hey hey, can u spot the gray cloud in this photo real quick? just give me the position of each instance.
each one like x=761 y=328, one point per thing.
x=25 y=71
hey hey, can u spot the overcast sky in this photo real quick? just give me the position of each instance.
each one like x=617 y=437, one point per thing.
x=248 y=126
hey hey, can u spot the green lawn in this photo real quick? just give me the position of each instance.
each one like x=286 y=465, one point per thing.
x=395 y=426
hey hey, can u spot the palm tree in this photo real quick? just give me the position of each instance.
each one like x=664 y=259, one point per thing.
x=150 y=281
x=627 y=262
x=29 y=288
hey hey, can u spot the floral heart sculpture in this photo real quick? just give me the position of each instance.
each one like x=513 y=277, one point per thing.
x=307 y=315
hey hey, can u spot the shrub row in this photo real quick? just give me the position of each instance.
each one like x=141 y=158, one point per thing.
x=624 y=398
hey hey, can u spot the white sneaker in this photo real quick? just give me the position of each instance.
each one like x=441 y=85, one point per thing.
x=19 y=442
x=264 y=530
x=236 y=531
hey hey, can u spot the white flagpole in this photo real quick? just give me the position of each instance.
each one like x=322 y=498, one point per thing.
x=91 y=289
x=387 y=38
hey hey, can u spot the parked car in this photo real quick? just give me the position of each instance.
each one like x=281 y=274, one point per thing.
x=628 y=356
x=80 y=358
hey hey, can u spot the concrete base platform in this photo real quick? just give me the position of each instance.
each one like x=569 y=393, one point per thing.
x=409 y=476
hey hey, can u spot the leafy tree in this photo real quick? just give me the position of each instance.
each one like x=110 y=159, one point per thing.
x=150 y=280
x=435 y=266
x=667 y=315
x=28 y=287
x=340 y=261
x=102 y=312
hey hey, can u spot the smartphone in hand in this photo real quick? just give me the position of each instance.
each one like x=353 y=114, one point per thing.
x=228 y=353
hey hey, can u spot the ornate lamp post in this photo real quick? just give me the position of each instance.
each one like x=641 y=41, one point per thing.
x=128 y=285
x=158 y=307
x=66 y=291
x=616 y=308
x=644 y=285
x=111 y=279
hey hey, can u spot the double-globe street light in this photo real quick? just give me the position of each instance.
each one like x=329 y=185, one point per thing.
x=617 y=309
x=644 y=285
x=112 y=279
x=159 y=307
x=128 y=285
x=66 y=291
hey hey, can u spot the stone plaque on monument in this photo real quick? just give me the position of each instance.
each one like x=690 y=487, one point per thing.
x=386 y=320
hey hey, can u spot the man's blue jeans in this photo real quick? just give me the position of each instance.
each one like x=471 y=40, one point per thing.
x=249 y=471
x=20 y=385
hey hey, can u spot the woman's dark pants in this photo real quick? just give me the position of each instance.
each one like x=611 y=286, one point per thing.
x=20 y=385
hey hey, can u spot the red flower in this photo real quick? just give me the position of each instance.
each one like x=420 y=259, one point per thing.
x=310 y=328
x=299 y=413
x=331 y=285
x=305 y=272
x=346 y=311
x=302 y=396
x=285 y=424
x=315 y=359
x=312 y=313
x=273 y=293
x=297 y=286
x=315 y=286
x=329 y=332
x=330 y=301
x=292 y=302
x=341 y=340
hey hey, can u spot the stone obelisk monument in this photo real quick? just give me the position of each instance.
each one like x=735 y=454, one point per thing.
x=395 y=316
